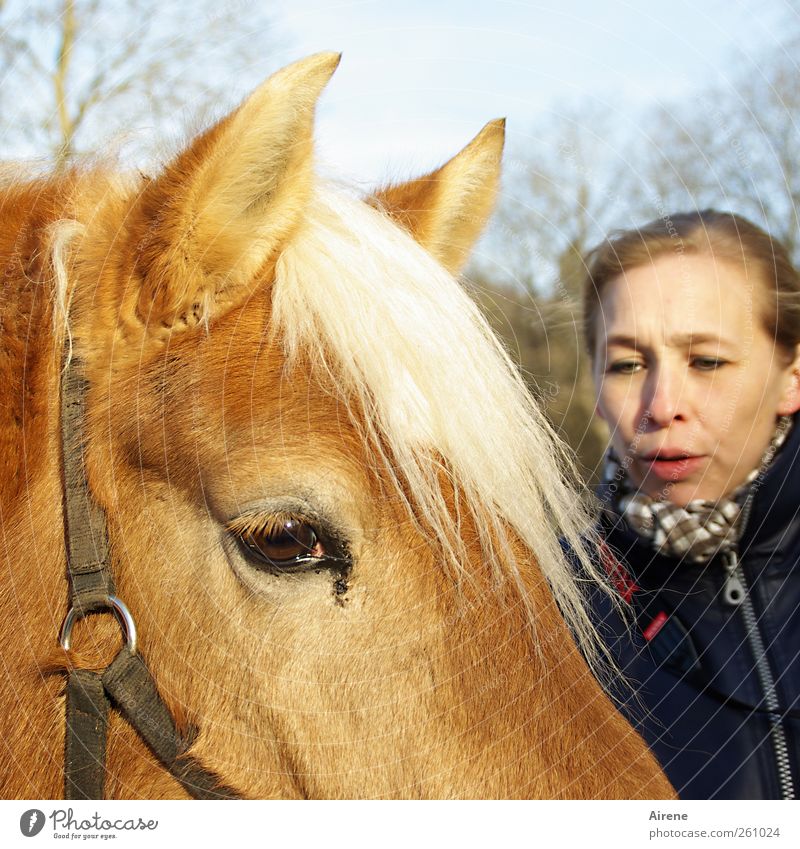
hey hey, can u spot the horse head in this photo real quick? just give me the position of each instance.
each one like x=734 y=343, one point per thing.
x=333 y=509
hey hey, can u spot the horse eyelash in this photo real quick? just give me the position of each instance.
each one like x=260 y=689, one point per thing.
x=261 y=523
x=253 y=524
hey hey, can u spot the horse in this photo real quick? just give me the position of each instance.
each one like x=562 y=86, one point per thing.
x=334 y=515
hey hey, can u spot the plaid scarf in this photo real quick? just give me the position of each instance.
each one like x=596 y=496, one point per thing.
x=697 y=531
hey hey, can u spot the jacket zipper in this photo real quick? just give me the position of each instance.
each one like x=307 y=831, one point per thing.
x=735 y=592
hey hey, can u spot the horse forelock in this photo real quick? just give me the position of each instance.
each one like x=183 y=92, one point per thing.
x=432 y=390
x=433 y=393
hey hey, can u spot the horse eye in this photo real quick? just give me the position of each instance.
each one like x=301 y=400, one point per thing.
x=286 y=543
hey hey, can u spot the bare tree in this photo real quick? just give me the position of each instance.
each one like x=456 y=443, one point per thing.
x=566 y=182
x=736 y=145
x=75 y=71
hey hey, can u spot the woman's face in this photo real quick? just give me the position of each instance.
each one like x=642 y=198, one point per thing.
x=687 y=378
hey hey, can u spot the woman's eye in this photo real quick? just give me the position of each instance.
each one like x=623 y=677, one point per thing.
x=626 y=367
x=281 y=541
x=707 y=363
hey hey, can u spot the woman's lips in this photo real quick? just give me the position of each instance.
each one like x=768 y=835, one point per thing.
x=673 y=468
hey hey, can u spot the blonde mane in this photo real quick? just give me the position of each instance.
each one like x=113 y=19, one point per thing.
x=427 y=379
x=412 y=354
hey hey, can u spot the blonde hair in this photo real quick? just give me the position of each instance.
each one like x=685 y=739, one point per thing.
x=356 y=295
x=723 y=235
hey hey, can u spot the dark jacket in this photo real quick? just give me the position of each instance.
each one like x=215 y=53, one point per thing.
x=716 y=685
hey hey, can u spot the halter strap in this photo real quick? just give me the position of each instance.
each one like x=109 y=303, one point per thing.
x=126 y=684
x=88 y=561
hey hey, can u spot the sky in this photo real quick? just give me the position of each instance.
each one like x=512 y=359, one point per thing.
x=419 y=79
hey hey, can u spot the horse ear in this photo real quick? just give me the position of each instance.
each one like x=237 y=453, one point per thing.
x=447 y=209
x=222 y=209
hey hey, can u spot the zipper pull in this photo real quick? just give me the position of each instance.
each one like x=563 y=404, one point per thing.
x=733 y=591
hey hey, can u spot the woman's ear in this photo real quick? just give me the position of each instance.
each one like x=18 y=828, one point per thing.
x=790 y=400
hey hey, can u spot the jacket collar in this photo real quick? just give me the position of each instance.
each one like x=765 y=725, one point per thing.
x=776 y=501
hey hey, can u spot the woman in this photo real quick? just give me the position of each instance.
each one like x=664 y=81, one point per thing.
x=693 y=325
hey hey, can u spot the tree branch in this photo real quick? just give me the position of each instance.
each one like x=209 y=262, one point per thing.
x=65 y=124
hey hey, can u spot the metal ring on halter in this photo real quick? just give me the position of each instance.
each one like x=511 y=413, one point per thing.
x=123 y=617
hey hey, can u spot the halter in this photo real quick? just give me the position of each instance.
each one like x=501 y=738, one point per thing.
x=126 y=684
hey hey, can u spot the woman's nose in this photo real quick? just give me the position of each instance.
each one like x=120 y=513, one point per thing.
x=666 y=397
